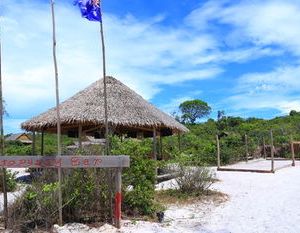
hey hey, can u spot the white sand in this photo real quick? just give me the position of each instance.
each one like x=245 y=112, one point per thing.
x=258 y=202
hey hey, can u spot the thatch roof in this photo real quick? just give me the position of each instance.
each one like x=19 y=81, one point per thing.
x=22 y=137
x=126 y=111
x=14 y=137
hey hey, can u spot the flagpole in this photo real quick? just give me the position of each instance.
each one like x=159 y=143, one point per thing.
x=57 y=113
x=107 y=149
x=104 y=86
x=2 y=143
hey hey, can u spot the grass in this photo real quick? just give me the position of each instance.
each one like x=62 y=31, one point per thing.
x=175 y=196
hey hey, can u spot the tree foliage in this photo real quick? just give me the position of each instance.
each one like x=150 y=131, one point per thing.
x=193 y=110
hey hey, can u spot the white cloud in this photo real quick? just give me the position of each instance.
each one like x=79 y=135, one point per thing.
x=263 y=23
x=248 y=30
x=281 y=80
x=173 y=105
x=142 y=54
x=273 y=90
x=286 y=106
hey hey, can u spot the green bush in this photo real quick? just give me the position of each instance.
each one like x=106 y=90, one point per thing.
x=17 y=148
x=195 y=179
x=140 y=175
x=11 y=183
x=85 y=196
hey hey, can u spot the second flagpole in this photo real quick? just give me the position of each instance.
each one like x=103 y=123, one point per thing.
x=57 y=114
x=4 y=184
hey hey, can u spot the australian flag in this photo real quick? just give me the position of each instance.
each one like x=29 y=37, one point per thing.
x=90 y=9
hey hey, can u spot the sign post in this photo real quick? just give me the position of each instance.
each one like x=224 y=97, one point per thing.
x=118 y=198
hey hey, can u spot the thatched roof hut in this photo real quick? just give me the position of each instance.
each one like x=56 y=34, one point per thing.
x=21 y=137
x=128 y=113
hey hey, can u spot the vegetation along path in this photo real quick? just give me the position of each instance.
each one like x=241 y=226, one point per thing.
x=257 y=203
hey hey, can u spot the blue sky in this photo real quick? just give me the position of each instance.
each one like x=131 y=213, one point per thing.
x=239 y=56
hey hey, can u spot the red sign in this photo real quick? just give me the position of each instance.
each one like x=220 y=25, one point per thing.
x=64 y=161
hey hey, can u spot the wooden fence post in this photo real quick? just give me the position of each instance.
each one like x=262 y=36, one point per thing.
x=118 y=198
x=264 y=148
x=218 y=152
x=272 y=151
x=246 y=146
x=293 y=153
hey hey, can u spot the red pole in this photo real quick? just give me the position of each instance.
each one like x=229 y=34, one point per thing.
x=118 y=199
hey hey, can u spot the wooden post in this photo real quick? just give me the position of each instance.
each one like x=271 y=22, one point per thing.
x=118 y=198
x=258 y=146
x=42 y=143
x=155 y=150
x=80 y=136
x=5 y=198
x=57 y=112
x=161 y=147
x=293 y=153
x=154 y=145
x=218 y=152
x=33 y=144
x=246 y=146
x=107 y=147
x=272 y=152
x=42 y=147
x=5 y=209
x=179 y=142
x=264 y=148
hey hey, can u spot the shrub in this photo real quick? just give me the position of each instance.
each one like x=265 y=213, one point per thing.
x=232 y=149
x=140 y=176
x=17 y=148
x=195 y=179
x=85 y=197
x=11 y=183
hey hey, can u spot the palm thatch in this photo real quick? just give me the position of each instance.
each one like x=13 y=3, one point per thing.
x=127 y=112
x=21 y=137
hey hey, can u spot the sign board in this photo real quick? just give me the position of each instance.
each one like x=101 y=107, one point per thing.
x=64 y=161
x=71 y=161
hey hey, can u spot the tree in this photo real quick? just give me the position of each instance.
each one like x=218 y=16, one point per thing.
x=194 y=109
x=294 y=113
x=221 y=114
x=175 y=115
